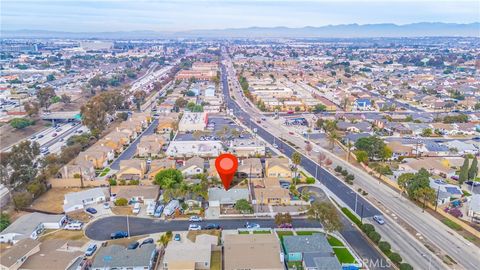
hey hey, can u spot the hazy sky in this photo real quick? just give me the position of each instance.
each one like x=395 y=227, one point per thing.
x=174 y=15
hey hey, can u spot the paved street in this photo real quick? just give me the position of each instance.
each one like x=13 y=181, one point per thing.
x=130 y=151
x=429 y=227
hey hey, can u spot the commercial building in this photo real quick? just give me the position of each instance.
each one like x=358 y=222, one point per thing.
x=192 y=121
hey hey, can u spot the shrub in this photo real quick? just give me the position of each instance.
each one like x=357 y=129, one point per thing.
x=123 y=182
x=338 y=169
x=351 y=216
x=405 y=266
x=374 y=236
x=310 y=180
x=344 y=172
x=384 y=247
x=350 y=177
x=367 y=228
x=4 y=221
x=22 y=200
x=121 y=202
x=395 y=258
x=364 y=193
x=76 y=176
x=134 y=182
x=20 y=123
x=112 y=182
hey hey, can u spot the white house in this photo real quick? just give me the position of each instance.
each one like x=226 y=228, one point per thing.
x=193 y=166
x=192 y=121
x=31 y=225
x=78 y=200
x=194 y=148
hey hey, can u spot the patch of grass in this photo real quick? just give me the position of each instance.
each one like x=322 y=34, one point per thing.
x=216 y=261
x=306 y=232
x=297 y=265
x=105 y=172
x=351 y=216
x=343 y=255
x=452 y=225
x=334 y=242
x=281 y=234
x=466 y=193
x=64 y=234
x=261 y=232
x=243 y=232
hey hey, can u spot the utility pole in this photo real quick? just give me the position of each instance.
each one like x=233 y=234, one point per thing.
x=436 y=201
x=361 y=215
x=356 y=201
x=128 y=228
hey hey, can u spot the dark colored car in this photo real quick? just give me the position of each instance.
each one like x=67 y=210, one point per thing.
x=118 y=234
x=133 y=245
x=91 y=210
x=147 y=241
x=212 y=226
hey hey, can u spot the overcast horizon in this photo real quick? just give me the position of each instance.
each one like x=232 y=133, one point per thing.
x=183 y=15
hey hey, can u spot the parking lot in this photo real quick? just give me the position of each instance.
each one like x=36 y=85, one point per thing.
x=217 y=125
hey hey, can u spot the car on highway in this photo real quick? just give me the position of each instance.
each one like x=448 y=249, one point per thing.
x=249 y=225
x=118 y=235
x=33 y=137
x=212 y=226
x=41 y=136
x=91 y=249
x=275 y=145
x=147 y=241
x=194 y=227
x=79 y=131
x=379 y=219
x=54 y=135
x=133 y=245
x=195 y=219
x=91 y=210
x=291 y=133
x=58 y=130
x=177 y=237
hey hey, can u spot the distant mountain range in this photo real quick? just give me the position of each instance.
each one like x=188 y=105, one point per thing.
x=423 y=29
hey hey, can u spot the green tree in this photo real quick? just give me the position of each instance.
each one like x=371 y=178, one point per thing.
x=22 y=200
x=405 y=266
x=463 y=176
x=362 y=156
x=374 y=146
x=296 y=159
x=281 y=218
x=20 y=123
x=326 y=214
x=404 y=179
x=427 y=132
x=31 y=108
x=384 y=247
x=395 y=258
x=425 y=194
x=374 y=236
x=473 y=171
x=121 y=202
x=181 y=102
x=45 y=96
x=243 y=206
x=319 y=108
x=168 y=178
x=4 y=221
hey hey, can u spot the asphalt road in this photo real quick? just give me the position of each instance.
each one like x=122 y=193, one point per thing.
x=132 y=148
x=97 y=230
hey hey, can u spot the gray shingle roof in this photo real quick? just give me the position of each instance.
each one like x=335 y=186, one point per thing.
x=26 y=224
x=307 y=243
x=118 y=256
x=227 y=197
x=319 y=261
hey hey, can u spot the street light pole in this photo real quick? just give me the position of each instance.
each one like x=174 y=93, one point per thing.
x=128 y=228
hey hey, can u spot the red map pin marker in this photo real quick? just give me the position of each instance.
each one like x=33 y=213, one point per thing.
x=226 y=165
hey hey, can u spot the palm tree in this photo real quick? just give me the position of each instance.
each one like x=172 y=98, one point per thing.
x=296 y=159
x=332 y=137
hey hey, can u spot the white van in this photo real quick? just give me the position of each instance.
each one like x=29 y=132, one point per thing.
x=73 y=226
x=136 y=208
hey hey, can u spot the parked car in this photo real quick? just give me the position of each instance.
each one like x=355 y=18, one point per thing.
x=194 y=227
x=91 y=249
x=147 y=241
x=91 y=210
x=379 y=219
x=195 y=219
x=41 y=136
x=212 y=226
x=252 y=225
x=285 y=226
x=136 y=208
x=159 y=210
x=75 y=226
x=54 y=135
x=133 y=245
x=106 y=205
x=177 y=237
x=118 y=234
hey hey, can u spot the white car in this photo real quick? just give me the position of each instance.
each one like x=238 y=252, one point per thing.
x=106 y=205
x=379 y=219
x=195 y=219
x=275 y=145
x=136 y=208
x=194 y=227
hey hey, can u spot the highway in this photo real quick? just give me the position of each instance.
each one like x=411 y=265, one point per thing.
x=428 y=227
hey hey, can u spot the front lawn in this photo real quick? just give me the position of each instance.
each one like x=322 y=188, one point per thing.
x=261 y=232
x=281 y=234
x=343 y=255
x=306 y=232
x=216 y=261
x=334 y=242
x=297 y=265
x=452 y=225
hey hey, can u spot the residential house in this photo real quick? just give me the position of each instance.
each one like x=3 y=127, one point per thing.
x=227 y=197
x=79 y=200
x=193 y=166
x=31 y=225
x=13 y=257
x=132 y=169
x=363 y=104
x=462 y=148
x=307 y=247
x=354 y=127
x=182 y=149
x=278 y=167
x=116 y=140
x=452 y=191
x=150 y=146
x=165 y=126
x=247 y=147
x=252 y=251
x=158 y=165
x=272 y=193
x=188 y=255
x=55 y=254
x=121 y=258
x=474 y=207
x=134 y=193
x=98 y=155
x=78 y=168
x=399 y=149
x=250 y=168
x=435 y=165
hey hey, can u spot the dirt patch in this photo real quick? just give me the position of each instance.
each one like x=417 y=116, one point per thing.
x=122 y=210
x=64 y=234
x=9 y=135
x=52 y=200
x=80 y=215
x=192 y=235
